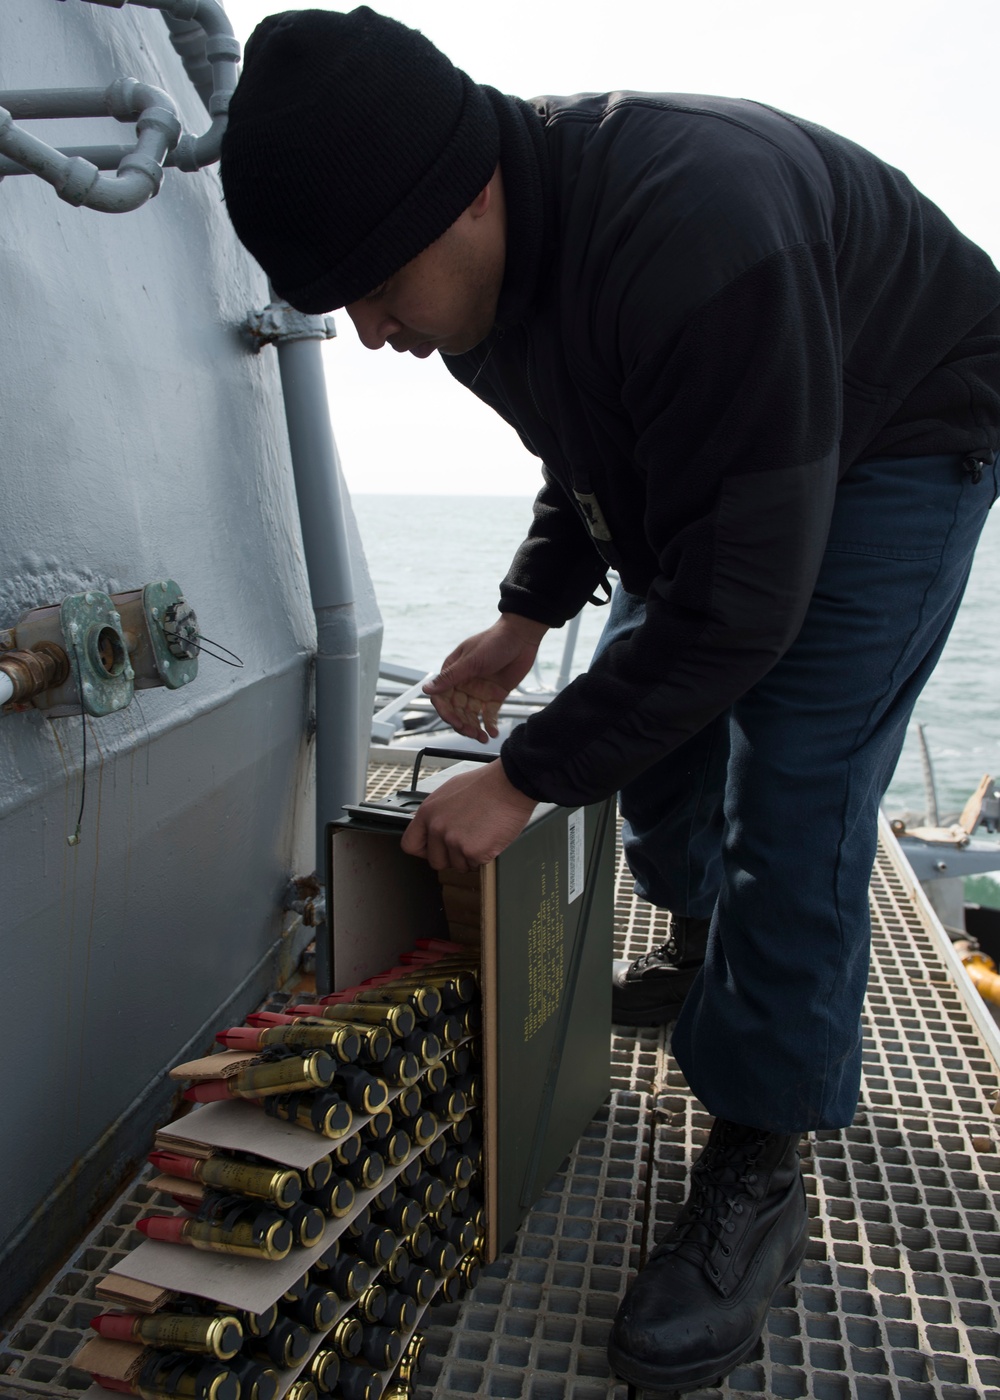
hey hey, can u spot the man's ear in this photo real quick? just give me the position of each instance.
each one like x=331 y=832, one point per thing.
x=481 y=204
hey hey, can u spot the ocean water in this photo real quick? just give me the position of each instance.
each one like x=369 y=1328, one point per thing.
x=436 y=562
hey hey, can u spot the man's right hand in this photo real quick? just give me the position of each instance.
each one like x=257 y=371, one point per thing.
x=481 y=672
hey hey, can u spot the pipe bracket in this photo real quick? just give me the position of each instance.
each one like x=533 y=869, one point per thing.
x=280 y=323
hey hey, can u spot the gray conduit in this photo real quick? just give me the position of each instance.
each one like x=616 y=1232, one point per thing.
x=74 y=172
x=140 y=171
x=316 y=466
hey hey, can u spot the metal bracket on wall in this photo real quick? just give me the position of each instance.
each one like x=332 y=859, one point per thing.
x=279 y=323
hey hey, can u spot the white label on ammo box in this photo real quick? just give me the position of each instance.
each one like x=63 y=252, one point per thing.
x=574 y=831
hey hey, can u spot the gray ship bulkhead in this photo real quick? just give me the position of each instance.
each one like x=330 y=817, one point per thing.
x=143 y=438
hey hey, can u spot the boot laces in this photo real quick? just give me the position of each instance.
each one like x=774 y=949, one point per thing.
x=668 y=953
x=720 y=1184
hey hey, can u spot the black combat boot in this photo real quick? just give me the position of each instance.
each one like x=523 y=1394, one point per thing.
x=650 y=991
x=698 y=1306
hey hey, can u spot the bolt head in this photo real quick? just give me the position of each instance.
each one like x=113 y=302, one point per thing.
x=155 y=612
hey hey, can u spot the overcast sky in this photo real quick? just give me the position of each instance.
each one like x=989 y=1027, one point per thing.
x=911 y=81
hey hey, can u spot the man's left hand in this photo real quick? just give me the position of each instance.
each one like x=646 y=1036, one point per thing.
x=469 y=820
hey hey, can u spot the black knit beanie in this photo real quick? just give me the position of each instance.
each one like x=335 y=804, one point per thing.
x=352 y=145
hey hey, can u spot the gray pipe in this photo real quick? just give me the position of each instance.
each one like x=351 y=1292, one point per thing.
x=77 y=181
x=222 y=51
x=340 y=760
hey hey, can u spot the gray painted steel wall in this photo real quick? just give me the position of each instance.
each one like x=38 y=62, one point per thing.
x=141 y=438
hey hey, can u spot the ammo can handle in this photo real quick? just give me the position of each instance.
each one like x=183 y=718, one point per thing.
x=460 y=754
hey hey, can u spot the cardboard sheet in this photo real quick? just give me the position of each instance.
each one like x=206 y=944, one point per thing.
x=132 y=1295
x=222 y=1065
x=253 y=1284
x=237 y=1126
x=117 y=1360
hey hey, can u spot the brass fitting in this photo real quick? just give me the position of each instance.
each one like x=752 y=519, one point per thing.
x=31 y=672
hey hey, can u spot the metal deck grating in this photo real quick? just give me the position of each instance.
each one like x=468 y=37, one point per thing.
x=899 y=1296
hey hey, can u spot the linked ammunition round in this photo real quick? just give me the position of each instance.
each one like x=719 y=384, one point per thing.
x=316 y=1309
x=470 y=1267
x=322 y=1112
x=372 y=1303
x=348 y=1277
x=425 y=1045
x=448 y=1028
x=400 y=1068
x=283 y=1187
x=334 y=1199
x=441 y=1257
x=249 y=1238
x=302 y=1389
x=375 y=1244
x=460 y=1132
x=379 y=1127
x=429 y=1191
x=257 y=1382
x=346 y=1337
x=174 y=1374
x=400 y=1312
x=448 y=1105
x=441 y=1218
x=317 y=1176
x=286 y=1344
x=462 y=1234
x=365 y=1092
x=344 y=1042
x=408 y=1102
x=436 y=1077
x=399 y=1263
x=324 y=1369
x=257 y=1324
x=359 y=1382
x=308 y=1223
x=220 y=1336
x=376 y=1042
x=297 y=1073
x=457 y=1168
x=425 y=1000
x=421 y=1127
x=399 y=1020
x=419 y=1285
x=396 y=1148
x=419 y=1242
x=384 y=1199
x=347 y=1151
x=382 y=1347
x=403 y=1215
x=367 y=1171
x=434 y=1152
x=413 y=1356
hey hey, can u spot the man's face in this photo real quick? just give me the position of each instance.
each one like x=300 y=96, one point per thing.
x=445 y=299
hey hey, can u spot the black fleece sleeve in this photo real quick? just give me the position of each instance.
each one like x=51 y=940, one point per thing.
x=557 y=568
x=737 y=426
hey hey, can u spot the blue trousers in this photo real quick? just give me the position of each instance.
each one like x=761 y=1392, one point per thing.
x=766 y=820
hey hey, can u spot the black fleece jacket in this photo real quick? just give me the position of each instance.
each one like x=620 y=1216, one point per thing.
x=710 y=311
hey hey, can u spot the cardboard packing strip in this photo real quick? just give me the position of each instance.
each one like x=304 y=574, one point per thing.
x=239 y=1126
